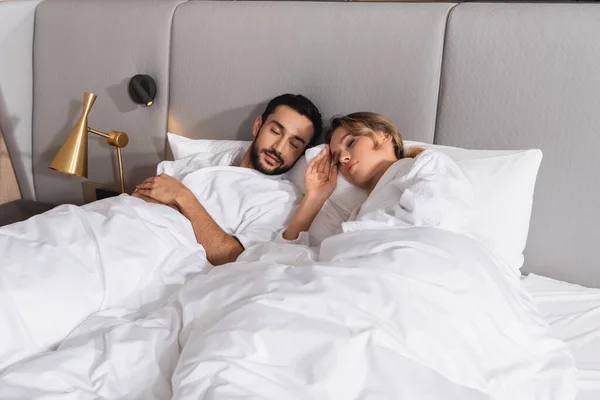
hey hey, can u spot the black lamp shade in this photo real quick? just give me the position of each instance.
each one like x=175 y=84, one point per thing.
x=142 y=89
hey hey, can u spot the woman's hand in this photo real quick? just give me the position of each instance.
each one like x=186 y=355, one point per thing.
x=320 y=178
x=165 y=189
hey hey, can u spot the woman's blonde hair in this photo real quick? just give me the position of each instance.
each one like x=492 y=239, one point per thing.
x=368 y=124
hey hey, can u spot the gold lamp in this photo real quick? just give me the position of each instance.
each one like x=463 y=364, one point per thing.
x=72 y=157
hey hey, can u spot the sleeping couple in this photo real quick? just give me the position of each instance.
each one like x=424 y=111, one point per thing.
x=134 y=310
x=62 y=267
x=365 y=147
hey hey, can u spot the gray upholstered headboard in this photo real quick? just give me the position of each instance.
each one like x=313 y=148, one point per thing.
x=336 y=54
x=498 y=76
x=528 y=76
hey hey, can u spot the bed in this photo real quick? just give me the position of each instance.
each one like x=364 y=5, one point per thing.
x=485 y=77
x=573 y=312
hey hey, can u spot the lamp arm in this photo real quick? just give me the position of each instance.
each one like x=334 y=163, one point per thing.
x=104 y=135
x=120 y=162
x=118 y=140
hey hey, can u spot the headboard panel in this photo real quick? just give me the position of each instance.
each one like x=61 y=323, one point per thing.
x=16 y=87
x=528 y=76
x=229 y=58
x=93 y=46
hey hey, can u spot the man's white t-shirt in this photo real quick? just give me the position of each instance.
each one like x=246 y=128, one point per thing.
x=245 y=203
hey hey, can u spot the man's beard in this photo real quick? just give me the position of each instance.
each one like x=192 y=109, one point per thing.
x=261 y=167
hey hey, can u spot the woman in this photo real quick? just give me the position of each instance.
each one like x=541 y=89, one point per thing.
x=407 y=187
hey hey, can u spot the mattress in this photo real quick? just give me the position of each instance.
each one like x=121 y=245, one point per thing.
x=573 y=313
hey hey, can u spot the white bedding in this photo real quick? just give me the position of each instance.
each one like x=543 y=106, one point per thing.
x=61 y=266
x=573 y=312
x=382 y=312
x=413 y=313
x=113 y=354
x=429 y=190
x=416 y=313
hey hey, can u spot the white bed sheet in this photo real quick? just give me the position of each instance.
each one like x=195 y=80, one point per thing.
x=573 y=312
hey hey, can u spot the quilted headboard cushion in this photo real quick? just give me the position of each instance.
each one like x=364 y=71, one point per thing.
x=229 y=58
x=527 y=76
x=92 y=46
x=16 y=86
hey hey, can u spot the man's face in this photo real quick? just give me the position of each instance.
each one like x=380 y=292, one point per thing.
x=280 y=140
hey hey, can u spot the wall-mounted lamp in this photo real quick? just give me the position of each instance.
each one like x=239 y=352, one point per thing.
x=142 y=90
x=72 y=157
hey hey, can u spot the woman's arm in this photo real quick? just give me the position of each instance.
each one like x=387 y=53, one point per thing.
x=304 y=217
x=320 y=180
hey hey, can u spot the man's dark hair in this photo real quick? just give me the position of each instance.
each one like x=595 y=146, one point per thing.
x=302 y=106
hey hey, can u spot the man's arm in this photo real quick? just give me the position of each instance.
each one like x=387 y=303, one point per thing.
x=151 y=200
x=220 y=247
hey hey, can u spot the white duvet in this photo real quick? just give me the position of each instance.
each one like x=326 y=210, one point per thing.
x=417 y=313
x=381 y=312
x=61 y=266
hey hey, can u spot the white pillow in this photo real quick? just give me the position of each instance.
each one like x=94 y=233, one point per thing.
x=503 y=184
x=183 y=147
x=181 y=167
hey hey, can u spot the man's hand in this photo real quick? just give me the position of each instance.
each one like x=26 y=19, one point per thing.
x=165 y=189
x=151 y=200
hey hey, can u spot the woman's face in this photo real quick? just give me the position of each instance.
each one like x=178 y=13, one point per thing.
x=360 y=162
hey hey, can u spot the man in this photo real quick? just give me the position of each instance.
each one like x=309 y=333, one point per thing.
x=289 y=125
